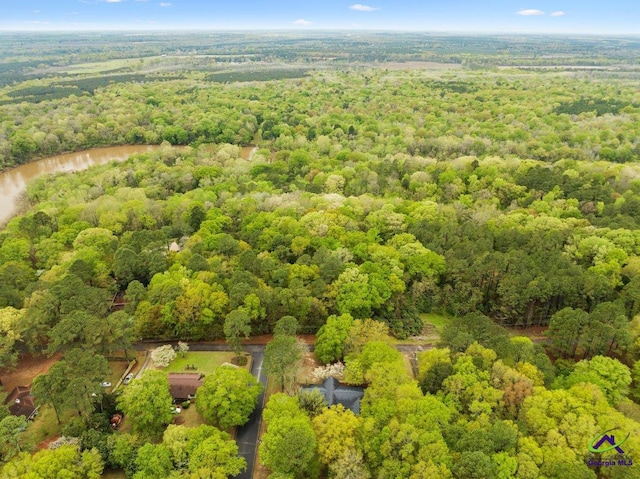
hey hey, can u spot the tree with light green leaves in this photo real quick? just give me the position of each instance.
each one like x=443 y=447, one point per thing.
x=608 y=374
x=228 y=396
x=146 y=402
x=332 y=337
x=66 y=461
x=11 y=440
x=283 y=431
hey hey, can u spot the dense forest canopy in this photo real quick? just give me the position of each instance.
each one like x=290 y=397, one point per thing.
x=377 y=193
x=485 y=187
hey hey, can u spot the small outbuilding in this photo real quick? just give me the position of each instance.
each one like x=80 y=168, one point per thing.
x=183 y=386
x=20 y=402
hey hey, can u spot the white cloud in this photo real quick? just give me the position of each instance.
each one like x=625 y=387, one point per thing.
x=559 y=13
x=530 y=12
x=302 y=21
x=363 y=8
x=114 y=1
x=165 y=4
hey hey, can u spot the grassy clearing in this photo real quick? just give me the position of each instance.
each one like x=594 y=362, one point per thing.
x=103 y=67
x=189 y=417
x=406 y=357
x=117 y=369
x=45 y=425
x=435 y=320
x=204 y=361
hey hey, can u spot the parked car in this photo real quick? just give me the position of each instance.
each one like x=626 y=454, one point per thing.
x=105 y=384
x=116 y=419
x=128 y=378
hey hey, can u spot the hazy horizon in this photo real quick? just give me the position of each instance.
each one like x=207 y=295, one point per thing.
x=616 y=17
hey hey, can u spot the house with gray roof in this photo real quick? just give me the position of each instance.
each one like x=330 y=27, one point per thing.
x=336 y=393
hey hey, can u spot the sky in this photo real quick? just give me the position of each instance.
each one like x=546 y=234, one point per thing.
x=496 y=16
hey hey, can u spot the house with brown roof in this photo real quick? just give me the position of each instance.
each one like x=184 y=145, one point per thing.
x=20 y=402
x=183 y=386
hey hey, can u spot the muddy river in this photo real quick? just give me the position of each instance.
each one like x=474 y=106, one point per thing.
x=14 y=181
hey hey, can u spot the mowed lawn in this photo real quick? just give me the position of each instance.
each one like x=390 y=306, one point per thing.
x=204 y=361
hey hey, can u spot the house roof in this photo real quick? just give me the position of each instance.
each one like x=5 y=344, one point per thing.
x=336 y=393
x=20 y=402
x=184 y=385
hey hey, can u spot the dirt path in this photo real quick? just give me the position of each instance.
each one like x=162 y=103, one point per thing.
x=26 y=370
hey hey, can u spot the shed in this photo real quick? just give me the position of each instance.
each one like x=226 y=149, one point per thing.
x=20 y=402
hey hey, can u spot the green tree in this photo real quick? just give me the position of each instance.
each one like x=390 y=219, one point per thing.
x=134 y=294
x=236 y=325
x=277 y=453
x=474 y=465
x=147 y=403
x=9 y=334
x=153 y=461
x=462 y=332
x=336 y=431
x=73 y=382
x=51 y=389
x=350 y=465
x=11 y=440
x=124 y=448
x=216 y=457
x=282 y=359
x=312 y=401
x=332 y=337
x=228 y=396
x=287 y=326
x=364 y=331
x=608 y=374
x=66 y=461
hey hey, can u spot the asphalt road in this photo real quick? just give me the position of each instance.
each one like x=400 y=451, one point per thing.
x=247 y=435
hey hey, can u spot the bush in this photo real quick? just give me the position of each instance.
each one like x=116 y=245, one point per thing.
x=163 y=355
x=186 y=404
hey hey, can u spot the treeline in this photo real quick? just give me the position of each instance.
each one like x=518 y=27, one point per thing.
x=257 y=75
x=59 y=90
x=546 y=117
x=64 y=49
x=436 y=206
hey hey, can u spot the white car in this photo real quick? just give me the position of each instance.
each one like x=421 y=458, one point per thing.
x=105 y=384
x=128 y=378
